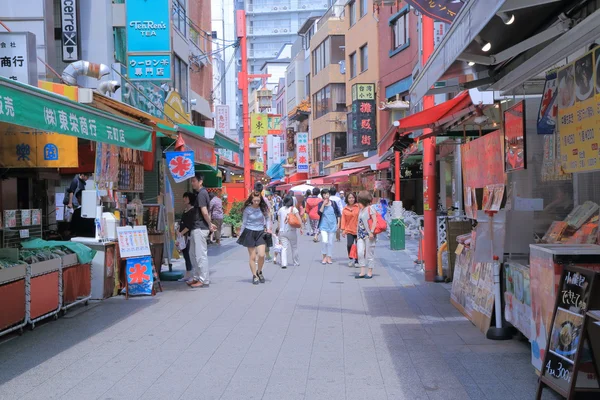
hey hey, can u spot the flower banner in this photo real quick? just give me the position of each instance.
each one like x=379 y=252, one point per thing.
x=181 y=165
x=140 y=278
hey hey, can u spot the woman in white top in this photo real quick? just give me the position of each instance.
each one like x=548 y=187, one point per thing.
x=288 y=235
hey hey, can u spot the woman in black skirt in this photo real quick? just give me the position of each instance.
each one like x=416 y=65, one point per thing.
x=256 y=224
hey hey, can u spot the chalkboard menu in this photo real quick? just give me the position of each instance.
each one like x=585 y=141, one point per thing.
x=567 y=349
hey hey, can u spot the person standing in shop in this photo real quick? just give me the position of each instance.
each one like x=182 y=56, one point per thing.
x=77 y=186
x=256 y=224
x=336 y=199
x=288 y=235
x=312 y=209
x=199 y=236
x=216 y=215
x=329 y=224
x=349 y=225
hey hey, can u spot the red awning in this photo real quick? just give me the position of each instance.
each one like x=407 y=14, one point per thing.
x=342 y=176
x=283 y=188
x=430 y=118
x=297 y=177
x=316 y=182
x=384 y=165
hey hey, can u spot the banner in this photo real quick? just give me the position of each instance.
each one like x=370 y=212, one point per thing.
x=222 y=119
x=546 y=122
x=302 y=151
x=259 y=124
x=482 y=163
x=515 y=149
x=578 y=99
x=439 y=10
x=181 y=165
x=140 y=278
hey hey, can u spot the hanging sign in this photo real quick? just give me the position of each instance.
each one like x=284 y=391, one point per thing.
x=181 y=165
x=69 y=11
x=302 y=151
x=259 y=124
x=18 y=60
x=515 y=149
x=274 y=125
x=578 y=99
x=133 y=241
x=222 y=118
x=140 y=278
x=546 y=123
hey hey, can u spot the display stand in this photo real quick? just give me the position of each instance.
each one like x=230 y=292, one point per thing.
x=14 y=297
x=45 y=298
x=571 y=351
x=72 y=290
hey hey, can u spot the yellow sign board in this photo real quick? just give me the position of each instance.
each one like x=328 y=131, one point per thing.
x=363 y=91
x=22 y=147
x=259 y=124
x=174 y=110
x=579 y=114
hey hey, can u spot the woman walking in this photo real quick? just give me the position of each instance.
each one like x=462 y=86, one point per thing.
x=216 y=215
x=288 y=235
x=329 y=223
x=185 y=227
x=367 y=220
x=312 y=208
x=349 y=224
x=256 y=224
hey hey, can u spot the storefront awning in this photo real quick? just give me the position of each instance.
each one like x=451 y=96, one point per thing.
x=204 y=149
x=431 y=118
x=34 y=108
x=342 y=176
x=315 y=182
x=343 y=160
x=297 y=177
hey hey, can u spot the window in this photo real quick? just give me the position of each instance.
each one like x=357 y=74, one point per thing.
x=337 y=48
x=306 y=87
x=179 y=16
x=399 y=27
x=321 y=56
x=364 y=58
x=352 y=9
x=332 y=98
x=180 y=79
x=363 y=7
x=352 y=65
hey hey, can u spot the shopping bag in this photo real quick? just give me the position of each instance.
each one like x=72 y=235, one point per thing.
x=381 y=225
x=294 y=220
x=353 y=252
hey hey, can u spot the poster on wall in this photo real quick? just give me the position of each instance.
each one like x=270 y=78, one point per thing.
x=515 y=149
x=578 y=98
x=546 y=122
x=517 y=297
x=140 y=278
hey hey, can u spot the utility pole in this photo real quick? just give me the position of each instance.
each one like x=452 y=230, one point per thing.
x=243 y=84
x=429 y=164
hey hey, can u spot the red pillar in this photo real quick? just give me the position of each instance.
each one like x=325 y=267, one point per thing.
x=397 y=175
x=243 y=86
x=429 y=164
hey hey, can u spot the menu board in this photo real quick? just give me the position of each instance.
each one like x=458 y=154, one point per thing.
x=564 y=359
x=578 y=99
x=133 y=241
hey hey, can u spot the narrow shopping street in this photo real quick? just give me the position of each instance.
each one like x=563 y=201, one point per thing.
x=310 y=332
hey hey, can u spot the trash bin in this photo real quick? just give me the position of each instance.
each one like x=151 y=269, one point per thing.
x=397 y=240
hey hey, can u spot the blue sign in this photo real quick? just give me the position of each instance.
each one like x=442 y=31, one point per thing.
x=140 y=278
x=180 y=164
x=148 y=67
x=148 y=26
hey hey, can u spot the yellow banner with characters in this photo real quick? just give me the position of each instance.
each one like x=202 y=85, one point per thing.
x=259 y=124
x=579 y=114
x=22 y=147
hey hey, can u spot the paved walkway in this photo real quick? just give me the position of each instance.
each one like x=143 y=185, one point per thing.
x=311 y=332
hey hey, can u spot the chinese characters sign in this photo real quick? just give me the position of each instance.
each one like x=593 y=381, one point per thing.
x=439 y=10
x=546 y=123
x=69 y=12
x=259 y=124
x=133 y=241
x=39 y=110
x=140 y=278
x=515 y=155
x=274 y=125
x=222 y=118
x=362 y=130
x=363 y=91
x=181 y=165
x=578 y=100
x=18 y=57
x=148 y=39
x=149 y=67
x=302 y=151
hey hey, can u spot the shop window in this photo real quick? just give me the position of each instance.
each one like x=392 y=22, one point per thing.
x=399 y=26
x=352 y=65
x=180 y=16
x=364 y=58
x=180 y=79
x=352 y=12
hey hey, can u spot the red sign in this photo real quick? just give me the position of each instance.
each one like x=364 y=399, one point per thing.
x=483 y=161
x=514 y=138
x=204 y=153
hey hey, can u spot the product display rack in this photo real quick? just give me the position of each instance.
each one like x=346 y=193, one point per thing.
x=43 y=301
x=11 y=235
x=68 y=264
x=9 y=279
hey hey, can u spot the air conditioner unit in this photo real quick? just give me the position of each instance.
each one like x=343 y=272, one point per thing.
x=303 y=6
x=275 y=8
x=285 y=7
x=342 y=67
x=285 y=30
x=275 y=30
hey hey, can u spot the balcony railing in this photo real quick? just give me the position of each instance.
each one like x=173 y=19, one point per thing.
x=336 y=12
x=280 y=7
x=270 y=30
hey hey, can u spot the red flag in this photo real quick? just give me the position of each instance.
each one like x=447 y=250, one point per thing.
x=179 y=143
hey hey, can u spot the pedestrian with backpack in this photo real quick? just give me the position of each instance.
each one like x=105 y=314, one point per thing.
x=369 y=225
x=289 y=223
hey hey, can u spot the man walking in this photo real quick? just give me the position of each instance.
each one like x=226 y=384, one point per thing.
x=202 y=227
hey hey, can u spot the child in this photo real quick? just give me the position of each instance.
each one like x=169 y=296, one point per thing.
x=277 y=248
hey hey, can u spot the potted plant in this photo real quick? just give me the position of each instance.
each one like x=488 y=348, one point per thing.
x=232 y=222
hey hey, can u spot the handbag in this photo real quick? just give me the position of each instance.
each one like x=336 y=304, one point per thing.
x=381 y=225
x=293 y=220
x=353 y=252
x=268 y=239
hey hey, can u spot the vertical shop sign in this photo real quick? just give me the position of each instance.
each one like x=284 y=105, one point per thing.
x=259 y=124
x=363 y=132
x=222 y=118
x=578 y=99
x=18 y=60
x=290 y=139
x=302 y=151
x=148 y=26
x=546 y=123
x=69 y=16
x=426 y=200
x=515 y=149
x=274 y=125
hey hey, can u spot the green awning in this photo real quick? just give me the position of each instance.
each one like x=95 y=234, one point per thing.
x=223 y=142
x=34 y=108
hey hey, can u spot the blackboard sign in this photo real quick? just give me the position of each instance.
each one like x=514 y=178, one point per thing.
x=565 y=346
